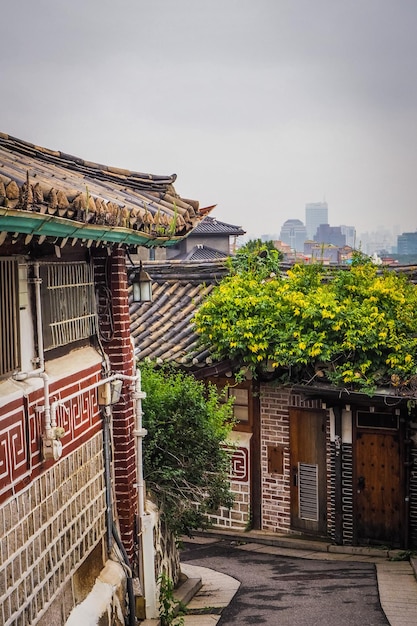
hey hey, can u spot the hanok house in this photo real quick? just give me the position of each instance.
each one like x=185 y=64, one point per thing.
x=163 y=332
x=211 y=239
x=310 y=459
x=70 y=395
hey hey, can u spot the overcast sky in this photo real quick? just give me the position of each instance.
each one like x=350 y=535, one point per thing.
x=259 y=106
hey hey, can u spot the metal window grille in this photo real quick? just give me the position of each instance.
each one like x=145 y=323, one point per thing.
x=68 y=303
x=9 y=317
x=308 y=491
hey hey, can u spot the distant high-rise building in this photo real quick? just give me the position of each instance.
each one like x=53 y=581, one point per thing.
x=407 y=243
x=293 y=233
x=316 y=213
x=330 y=234
x=350 y=234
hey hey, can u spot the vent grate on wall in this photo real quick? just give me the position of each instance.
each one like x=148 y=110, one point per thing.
x=308 y=491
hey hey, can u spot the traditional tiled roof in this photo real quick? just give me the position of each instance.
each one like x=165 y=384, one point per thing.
x=212 y=226
x=46 y=193
x=162 y=329
x=200 y=252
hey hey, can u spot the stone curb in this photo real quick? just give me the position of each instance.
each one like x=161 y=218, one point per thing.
x=187 y=590
x=298 y=543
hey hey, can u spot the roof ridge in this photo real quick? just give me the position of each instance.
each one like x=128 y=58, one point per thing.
x=19 y=145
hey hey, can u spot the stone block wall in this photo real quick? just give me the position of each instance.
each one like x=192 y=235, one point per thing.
x=275 y=431
x=239 y=516
x=47 y=531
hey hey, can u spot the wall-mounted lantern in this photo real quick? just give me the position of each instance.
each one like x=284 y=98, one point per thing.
x=141 y=285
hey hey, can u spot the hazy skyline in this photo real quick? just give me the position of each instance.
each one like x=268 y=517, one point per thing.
x=258 y=107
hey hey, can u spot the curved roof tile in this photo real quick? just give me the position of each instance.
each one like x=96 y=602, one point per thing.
x=163 y=329
x=48 y=193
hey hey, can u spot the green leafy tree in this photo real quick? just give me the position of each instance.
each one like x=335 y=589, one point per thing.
x=355 y=327
x=256 y=256
x=186 y=464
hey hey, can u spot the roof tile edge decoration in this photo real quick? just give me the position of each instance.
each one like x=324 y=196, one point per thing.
x=50 y=194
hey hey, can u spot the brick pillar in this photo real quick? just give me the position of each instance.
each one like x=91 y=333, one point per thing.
x=114 y=320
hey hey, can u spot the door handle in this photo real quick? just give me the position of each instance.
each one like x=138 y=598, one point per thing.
x=361 y=483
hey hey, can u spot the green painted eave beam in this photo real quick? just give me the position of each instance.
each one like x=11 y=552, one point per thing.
x=41 y=224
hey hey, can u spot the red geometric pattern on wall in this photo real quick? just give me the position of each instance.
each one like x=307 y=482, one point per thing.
x=13 y=446
x=22 y=424
x=240 y=465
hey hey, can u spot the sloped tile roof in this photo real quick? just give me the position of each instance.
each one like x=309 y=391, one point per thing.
x=162 y=329
x=212 y=226
x=200 y=252
x=49 y=193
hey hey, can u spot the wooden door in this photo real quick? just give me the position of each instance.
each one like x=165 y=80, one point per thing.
x=379 y=488
x=308 y=470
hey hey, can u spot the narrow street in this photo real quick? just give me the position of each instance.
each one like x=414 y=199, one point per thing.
x=280 y=590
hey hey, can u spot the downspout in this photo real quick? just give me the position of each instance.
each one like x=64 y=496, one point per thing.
x=111 y=529
x=51 y=444
x=145 y=520
x=106 y=412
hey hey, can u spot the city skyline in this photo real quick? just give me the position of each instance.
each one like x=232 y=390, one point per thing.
x=377 y=239
x=295 y=102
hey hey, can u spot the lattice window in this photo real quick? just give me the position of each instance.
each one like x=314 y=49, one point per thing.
x=68 y=303
x=9 y=317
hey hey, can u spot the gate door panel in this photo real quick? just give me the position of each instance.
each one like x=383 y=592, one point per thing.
x=308 y=470
x=379 y=487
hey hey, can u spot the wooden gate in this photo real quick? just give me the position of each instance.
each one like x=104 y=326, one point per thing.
x=379 y=482
x=308 y=470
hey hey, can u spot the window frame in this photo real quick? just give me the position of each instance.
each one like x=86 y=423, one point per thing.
x=68 y=304
x=10 y=354
x=229 y=383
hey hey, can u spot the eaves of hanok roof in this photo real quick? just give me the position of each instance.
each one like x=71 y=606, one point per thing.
x=212 y=226
x=383 y=397
x=163 y=330
x=49 y=194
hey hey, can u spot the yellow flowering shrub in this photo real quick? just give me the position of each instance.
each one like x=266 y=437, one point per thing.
x=357 y=326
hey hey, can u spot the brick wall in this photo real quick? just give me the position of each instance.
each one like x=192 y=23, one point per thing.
x=22 y=421
x=275 y=431
x=111 y=276
x=46 y=532
x=239 y=516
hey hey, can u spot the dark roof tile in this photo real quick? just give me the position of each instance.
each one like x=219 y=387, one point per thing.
x=212 y=226
x=163 y=329
x=47 y=192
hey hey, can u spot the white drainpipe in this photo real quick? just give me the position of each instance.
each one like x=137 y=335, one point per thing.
x=146 y=520
x=51 y=444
